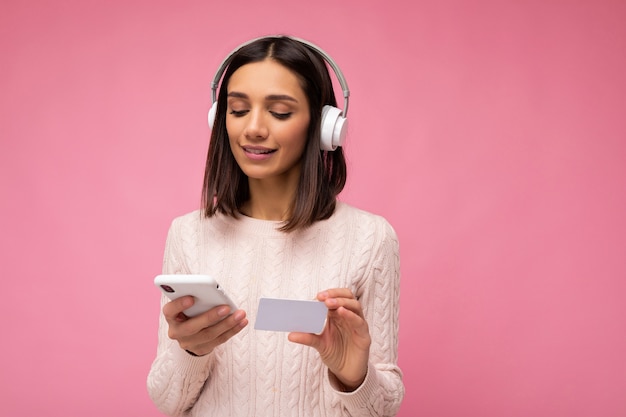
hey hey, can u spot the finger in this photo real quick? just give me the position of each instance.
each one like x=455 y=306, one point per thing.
x=193 y=332
x=207 y=344
x=225 y=329
x=232 y=331
x=351 y=320
x=172 y=309
x=335 y=293
x=307 y=339
x=225 y=324
x=347 y=303
x=214 y=317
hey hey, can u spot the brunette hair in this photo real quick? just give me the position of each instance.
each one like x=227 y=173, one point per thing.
x=323 y=174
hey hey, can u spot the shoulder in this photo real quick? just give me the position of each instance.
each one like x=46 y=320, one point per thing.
x=371 y=243
x=197 y=227
x=191 y=226
x=369 y=234
x=361 y=219
x=187 y=223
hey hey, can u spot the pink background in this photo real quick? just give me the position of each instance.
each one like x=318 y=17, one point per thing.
x=491 y=134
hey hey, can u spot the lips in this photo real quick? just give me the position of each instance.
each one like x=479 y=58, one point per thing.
x=258 y=151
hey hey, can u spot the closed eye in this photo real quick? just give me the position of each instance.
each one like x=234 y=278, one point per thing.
x=281 y=116
x=239 y=113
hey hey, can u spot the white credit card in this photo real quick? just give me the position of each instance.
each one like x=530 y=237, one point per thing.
x=283 y=315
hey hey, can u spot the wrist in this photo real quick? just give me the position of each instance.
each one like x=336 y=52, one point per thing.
x=344 y=385
x=195 y=354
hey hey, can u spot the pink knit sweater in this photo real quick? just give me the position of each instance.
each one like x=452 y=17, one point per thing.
x=262 y=374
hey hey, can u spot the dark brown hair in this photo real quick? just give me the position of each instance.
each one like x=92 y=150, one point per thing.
x=323 y=174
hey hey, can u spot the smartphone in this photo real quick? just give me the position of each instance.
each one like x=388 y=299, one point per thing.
x=205 y=290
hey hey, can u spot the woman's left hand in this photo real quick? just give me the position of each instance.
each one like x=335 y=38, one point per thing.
x=344 y=344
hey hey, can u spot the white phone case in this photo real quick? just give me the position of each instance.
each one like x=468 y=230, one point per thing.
x=206 y=291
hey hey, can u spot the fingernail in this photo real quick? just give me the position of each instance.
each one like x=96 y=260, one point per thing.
x=223 y=311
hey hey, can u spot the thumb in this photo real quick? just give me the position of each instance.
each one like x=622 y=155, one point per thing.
x=307 y=339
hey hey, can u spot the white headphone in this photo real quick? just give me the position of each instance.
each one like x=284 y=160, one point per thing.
x=334 y=121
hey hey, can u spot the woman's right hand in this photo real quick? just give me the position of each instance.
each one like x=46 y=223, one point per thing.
x=199 y=335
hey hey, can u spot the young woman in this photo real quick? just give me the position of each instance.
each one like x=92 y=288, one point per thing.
x=271 y=226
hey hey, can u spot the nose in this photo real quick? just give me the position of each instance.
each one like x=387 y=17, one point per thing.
x=256 y=127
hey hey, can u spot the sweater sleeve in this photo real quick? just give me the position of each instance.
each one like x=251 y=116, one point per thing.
x=383 y=390
x=176 y=378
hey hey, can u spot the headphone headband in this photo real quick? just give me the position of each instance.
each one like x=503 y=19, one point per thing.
x=342 y=80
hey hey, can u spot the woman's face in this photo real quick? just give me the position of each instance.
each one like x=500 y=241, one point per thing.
x=267 y=120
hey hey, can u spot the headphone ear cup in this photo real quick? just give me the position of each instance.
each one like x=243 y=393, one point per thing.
x=212 y=112
x=333 y=129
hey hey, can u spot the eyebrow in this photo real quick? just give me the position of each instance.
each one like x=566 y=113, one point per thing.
x=271 y=97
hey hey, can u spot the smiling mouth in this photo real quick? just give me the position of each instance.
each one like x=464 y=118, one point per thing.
x=259 y=151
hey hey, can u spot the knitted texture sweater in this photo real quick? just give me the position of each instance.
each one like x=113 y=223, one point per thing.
x=262 y=374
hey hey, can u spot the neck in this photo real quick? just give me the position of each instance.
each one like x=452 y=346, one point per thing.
x=270 y=199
